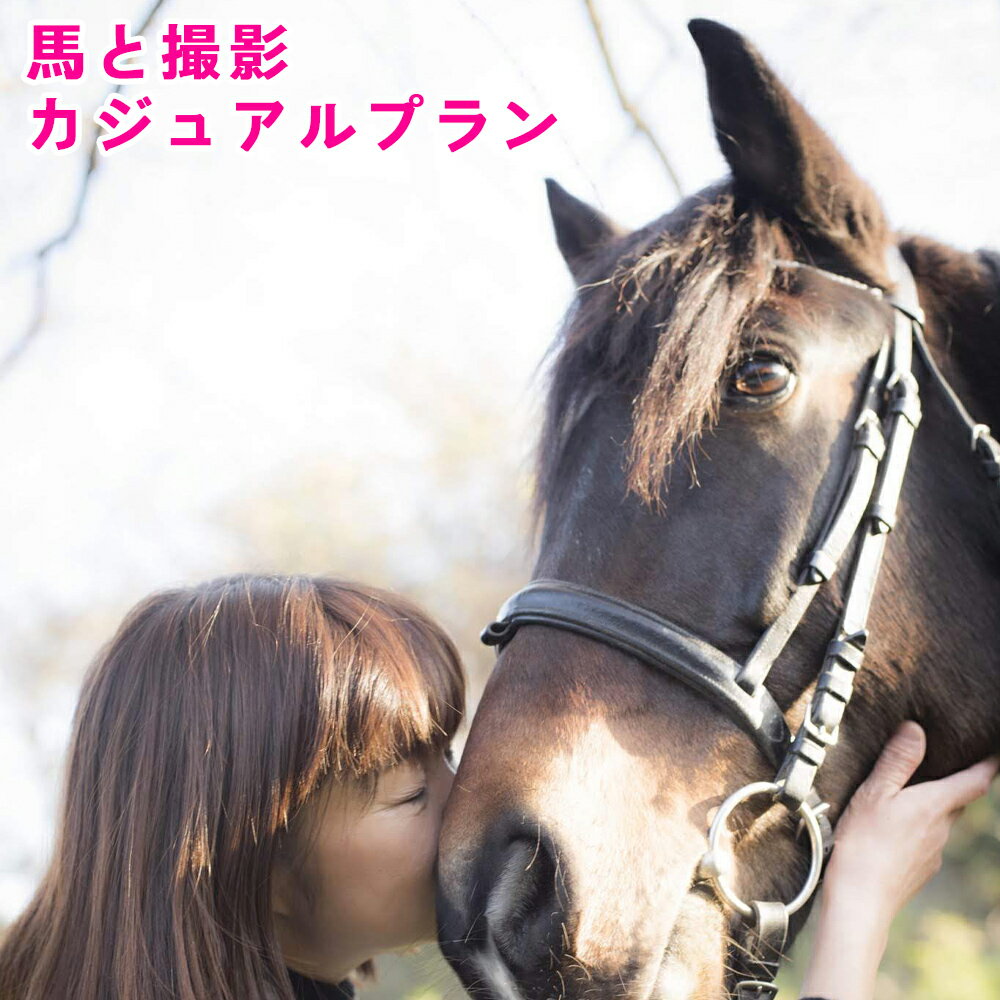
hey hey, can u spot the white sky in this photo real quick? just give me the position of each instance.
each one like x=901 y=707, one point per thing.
x=222 y=315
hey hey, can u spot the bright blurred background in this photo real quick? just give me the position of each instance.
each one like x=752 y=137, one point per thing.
x=326 y=360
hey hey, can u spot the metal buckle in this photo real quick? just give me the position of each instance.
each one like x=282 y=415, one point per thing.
x=715 y=866
x=825 y=736
x=755 y=989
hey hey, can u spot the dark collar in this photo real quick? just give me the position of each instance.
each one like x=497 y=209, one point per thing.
x=313 y=989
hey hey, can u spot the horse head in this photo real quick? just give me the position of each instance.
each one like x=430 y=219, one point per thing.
x=700 y=413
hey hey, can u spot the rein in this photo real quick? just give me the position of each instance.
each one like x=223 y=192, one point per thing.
x=864 y=513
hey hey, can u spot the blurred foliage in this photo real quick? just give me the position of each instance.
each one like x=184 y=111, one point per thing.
x=445 y=522
x=421 y=976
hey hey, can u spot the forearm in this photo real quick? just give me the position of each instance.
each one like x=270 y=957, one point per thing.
x=850 y=941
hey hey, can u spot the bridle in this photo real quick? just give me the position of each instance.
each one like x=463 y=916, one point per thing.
x=863 y=513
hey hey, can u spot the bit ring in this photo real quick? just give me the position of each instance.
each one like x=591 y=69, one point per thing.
x=717 y=872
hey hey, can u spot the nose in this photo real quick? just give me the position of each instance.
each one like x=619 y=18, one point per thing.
x=523 y=909
x=514 y=924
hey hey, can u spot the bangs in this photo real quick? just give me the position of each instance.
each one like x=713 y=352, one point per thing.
x=398 y=689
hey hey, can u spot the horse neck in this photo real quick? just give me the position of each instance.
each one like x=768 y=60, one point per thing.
x=960 y=293
x=940 y=613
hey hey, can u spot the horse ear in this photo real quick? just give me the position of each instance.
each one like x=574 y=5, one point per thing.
x=777 y=152
x=580 y=229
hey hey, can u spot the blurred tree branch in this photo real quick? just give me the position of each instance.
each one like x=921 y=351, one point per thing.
x=40 y=257
x=649 y=16
x=623 y=99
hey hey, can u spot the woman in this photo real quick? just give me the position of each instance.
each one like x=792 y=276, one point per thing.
x=255 y=783
x=255 y=786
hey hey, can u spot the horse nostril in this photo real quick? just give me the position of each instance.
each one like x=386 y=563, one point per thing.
x=523 y=912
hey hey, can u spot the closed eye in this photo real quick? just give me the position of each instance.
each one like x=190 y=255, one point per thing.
x=417 y=796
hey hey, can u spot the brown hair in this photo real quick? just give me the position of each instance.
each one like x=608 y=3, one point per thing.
x=207 y=721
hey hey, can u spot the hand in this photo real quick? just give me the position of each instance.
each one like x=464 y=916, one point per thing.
x=888 y=844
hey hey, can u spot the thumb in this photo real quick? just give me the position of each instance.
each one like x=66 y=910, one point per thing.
x=900 y=757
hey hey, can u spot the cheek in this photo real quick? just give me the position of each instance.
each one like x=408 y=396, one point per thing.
x=380 y=881
x=408 y=850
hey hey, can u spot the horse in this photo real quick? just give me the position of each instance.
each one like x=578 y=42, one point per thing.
x=700 y=410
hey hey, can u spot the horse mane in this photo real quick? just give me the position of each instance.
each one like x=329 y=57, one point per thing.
x=661 y=319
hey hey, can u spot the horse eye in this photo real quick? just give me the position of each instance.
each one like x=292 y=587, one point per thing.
x=760 y=377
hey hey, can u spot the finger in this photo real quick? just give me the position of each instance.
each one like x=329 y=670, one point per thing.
x=900 y=757
x=963 y=787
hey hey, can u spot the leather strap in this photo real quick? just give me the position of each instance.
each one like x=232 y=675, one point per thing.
x=764 y=951
x=844 y=656
x=983 y=444
x=653 y=640
x=841 y=527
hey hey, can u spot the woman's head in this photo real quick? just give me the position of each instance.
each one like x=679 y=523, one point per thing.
x=224 y=739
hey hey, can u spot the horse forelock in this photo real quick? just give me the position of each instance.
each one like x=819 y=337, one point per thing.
x=662 y=320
